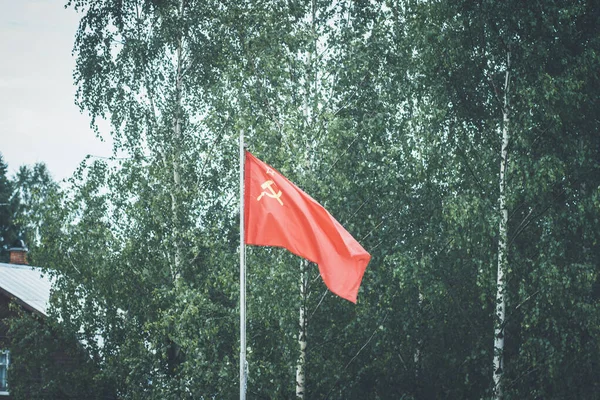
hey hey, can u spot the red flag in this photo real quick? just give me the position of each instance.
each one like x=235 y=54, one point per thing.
x=278 y=213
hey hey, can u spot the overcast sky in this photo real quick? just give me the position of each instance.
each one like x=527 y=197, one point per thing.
x=39 y=121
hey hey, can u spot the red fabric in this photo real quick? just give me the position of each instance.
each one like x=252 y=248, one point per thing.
x=278 y=213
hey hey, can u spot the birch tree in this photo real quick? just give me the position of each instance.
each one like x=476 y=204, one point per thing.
x=486 y=63
x=155 y=290
x=457 y=141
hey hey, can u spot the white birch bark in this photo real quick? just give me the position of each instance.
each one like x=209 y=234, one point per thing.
x=302 y=342
x=176 y=269
x=502 y=248
x=301 y=365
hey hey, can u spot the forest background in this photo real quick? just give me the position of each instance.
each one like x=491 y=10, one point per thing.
x=458 y=141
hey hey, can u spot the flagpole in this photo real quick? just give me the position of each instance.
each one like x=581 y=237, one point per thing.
x=242 y=277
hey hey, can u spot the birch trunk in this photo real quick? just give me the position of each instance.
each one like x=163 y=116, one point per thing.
x=417 y=354
x=176 y=269
x=300 y=367
x=502 y=248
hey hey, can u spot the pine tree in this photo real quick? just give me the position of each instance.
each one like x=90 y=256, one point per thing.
x=9 y=232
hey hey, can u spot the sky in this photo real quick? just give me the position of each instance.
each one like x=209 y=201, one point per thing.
x=39 y=121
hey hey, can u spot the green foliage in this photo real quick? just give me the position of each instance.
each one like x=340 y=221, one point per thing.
x=34 y=191
x=9 y=231
x=24 y=208
x=389 y=114
x=48 y=363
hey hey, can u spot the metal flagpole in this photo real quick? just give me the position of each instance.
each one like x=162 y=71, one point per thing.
x=242 y=277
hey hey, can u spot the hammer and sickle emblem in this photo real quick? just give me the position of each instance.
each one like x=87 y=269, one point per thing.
x=272 y=194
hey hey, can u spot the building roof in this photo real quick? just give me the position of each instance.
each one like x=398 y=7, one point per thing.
x=27 y=284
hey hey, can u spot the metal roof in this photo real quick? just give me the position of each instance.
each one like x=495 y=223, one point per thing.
x=27 y=284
